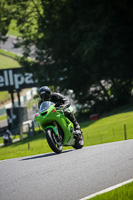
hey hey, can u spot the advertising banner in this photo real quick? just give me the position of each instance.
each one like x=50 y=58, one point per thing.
x=16 y=79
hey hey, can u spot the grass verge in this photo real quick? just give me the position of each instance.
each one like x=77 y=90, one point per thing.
x=108 y=129
x=124 y=192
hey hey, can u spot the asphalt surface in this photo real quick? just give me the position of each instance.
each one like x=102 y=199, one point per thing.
x=9 y=46
x=71 y=175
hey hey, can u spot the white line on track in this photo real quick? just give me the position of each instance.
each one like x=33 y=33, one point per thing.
x=107 y=189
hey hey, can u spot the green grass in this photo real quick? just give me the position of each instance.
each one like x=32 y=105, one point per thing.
x=108 y=129
x=9 y=54
x=7 y=62
x=1 y=140
x=3 y=117
x=4 y=96
x=123 y=193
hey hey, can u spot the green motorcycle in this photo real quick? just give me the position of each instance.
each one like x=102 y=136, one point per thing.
x=58 y=128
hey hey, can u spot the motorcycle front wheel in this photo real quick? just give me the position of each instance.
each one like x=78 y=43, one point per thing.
x=53 y=141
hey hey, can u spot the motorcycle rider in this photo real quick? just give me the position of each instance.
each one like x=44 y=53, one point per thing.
x=61 y=102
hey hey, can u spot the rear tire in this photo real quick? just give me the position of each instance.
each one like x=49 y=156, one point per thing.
x=53 y=142
x=79 y=142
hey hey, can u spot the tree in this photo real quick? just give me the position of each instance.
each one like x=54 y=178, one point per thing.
x=83 y=45
x=5 y=18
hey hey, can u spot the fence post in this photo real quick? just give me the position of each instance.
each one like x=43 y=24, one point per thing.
x=28 y=145
x=125 y=132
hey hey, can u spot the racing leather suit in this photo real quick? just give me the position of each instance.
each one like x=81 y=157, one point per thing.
x=61 y=101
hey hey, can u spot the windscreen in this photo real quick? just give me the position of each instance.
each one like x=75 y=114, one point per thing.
x=45 y=105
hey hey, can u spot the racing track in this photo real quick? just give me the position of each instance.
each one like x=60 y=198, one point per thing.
x=71 y=175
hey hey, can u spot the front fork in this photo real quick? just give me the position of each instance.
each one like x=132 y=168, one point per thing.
x=56 y=132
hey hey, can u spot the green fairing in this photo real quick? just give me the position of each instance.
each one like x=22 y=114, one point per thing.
x=58 y=117
x=54 y=129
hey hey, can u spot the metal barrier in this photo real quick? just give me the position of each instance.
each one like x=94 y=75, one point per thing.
x=29 y=127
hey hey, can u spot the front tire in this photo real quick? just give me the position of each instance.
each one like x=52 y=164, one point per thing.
x=53 y=141
x=79 y=142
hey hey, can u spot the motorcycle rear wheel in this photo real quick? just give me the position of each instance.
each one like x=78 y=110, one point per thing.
x=53 y=142
x=79 y=143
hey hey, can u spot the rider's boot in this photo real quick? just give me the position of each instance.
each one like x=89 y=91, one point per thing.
x=72 y=118
x=77 y=130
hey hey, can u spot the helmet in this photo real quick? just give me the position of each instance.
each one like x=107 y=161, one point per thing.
x=44 y=93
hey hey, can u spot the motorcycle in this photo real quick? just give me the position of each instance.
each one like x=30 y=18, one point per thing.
x=58 y=128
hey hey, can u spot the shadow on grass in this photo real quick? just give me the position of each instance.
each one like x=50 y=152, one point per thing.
x=46 y=155
x=87 y=123
x=119 y=110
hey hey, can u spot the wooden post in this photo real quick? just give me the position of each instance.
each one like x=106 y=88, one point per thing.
x=125 y=132
x=28 y=145
x=29 y=130
x=21 y=130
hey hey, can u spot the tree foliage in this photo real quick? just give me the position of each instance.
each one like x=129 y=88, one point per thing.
x=82 y=45
x=5 y=18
